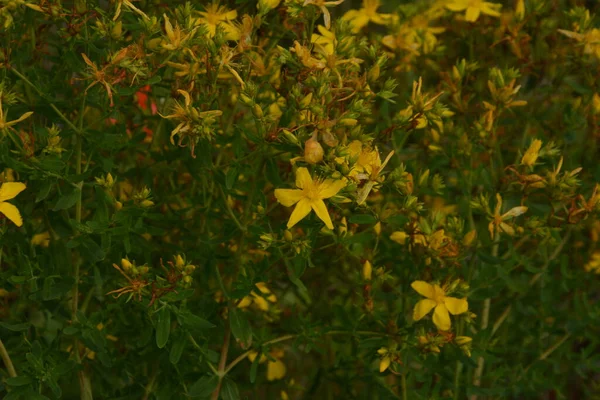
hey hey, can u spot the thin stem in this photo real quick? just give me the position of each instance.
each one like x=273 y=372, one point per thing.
x=485 y=318
x=7 y=361
x=403 y=383
x=42 y=95
x=222 y=361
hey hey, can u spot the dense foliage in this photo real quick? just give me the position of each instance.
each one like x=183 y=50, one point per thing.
x=299 y=199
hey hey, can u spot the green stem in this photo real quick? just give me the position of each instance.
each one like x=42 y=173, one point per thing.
x=222 y=361
x=485 y=317
x=403 y=383
x=7 y=361
x=42 y=95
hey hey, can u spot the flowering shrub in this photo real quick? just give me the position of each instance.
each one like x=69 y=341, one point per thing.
x=299 y=199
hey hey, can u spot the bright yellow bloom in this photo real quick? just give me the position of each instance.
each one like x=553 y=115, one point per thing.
x=590 y=40
x=368 y=13
x=262 y=302
x=436 y=298
x=532 y=153
x=474 y=8
x=275 y=369
x=325 y=39
x=498 y=225
x=215 y=16
x=309 y=196
x=10 y=190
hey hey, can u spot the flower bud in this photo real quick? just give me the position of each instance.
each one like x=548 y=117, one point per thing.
x=531 y=155
x=313 y=151
x=305 y=102
x=126 y=264
x=179 y=263
x=257 y=111
x=367 y=270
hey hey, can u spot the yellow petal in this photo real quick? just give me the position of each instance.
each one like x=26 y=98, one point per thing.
x=21 y=118
x=303 y=178
x=399 y=237
x=472 y=14
x=9 y=190
x=491 y=228
x=423 y=288
x=11 y=212
x=498 y=204
x=275 y=370
x=441 y=318
x=321 y=211
x=288 y=197
x=302 y=209
x=330 y=188
x=456 y=6
x=245 y=302
x=515 y=212
x=422 y=308
x=456 y=306
x=260 y=302
x=504 y=227
x=384 y=363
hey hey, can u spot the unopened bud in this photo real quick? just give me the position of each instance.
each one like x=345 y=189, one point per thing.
x=367 y=270
x=313 y=151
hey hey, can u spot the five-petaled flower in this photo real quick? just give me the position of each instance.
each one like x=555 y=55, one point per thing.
x=309 y=196
x=368 y=13
x=474 y=8
x=10 y=190
x=497 y=224
x=436 y=298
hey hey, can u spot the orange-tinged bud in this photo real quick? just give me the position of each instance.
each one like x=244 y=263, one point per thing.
x=313 y=151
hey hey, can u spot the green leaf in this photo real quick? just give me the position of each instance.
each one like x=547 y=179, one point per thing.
x=229 y=390
x=204 y=386
x=15 y=327
x=194 y=322
x=177 y=349
x=163 y=327
x=19 y=381
x=240 y=327
x=67 y=200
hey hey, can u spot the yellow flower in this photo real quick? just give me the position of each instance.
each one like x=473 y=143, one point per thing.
x=474 y=8
x=276 y=369
x=261 y=301
x=215 y=16
x=10 y=190
x=368 y=167
x=532 y=153
x=436 y=298
x=590 y=40
x=498 y=225
x=368 y=13
x=309 y=196
x=326 y=39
